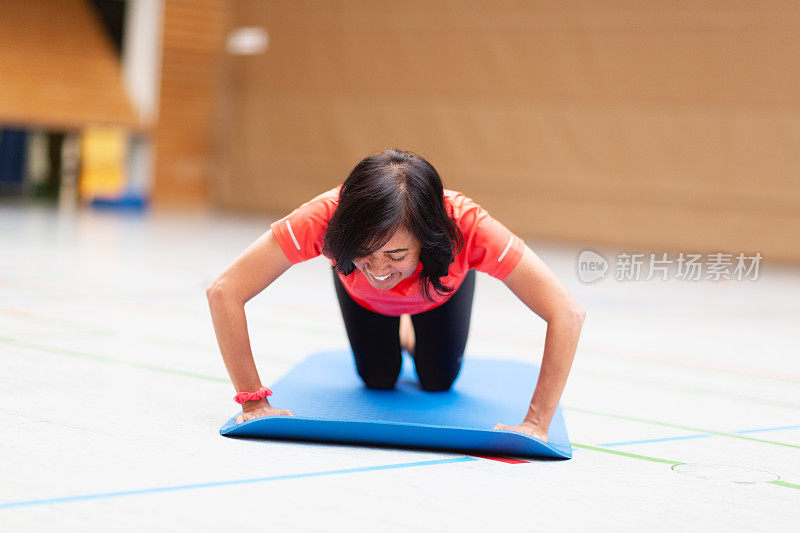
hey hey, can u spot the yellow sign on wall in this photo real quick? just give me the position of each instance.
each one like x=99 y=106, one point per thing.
x=103 y=151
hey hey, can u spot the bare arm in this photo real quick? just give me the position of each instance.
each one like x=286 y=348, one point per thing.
x=538 y=288
x=252 y=272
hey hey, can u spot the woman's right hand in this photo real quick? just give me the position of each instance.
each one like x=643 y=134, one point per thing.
x=259 y=408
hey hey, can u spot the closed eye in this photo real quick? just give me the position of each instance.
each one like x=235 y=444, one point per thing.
x=393 y=259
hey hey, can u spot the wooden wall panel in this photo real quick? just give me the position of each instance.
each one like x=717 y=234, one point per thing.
x=57 y=67
x=660 y=125
x=193 y=41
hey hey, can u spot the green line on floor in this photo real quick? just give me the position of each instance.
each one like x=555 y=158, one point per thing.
x=626 y=454
x=665 y=461
x=678 y=426
x=110 y=360
x=697 y=390
x=30 y=317
x=784 y=484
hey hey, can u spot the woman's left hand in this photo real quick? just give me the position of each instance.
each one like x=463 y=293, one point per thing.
x=526 y=428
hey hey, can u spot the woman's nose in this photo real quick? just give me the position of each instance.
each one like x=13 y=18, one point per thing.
x=377 y=265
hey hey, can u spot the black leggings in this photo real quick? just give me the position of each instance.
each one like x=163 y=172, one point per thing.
x=441 y=336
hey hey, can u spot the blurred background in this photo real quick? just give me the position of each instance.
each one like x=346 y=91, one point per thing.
x=145 y=143
x=667 y=125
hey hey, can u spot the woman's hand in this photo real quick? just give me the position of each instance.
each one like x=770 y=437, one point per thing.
x=258 y=409
x=527 y=428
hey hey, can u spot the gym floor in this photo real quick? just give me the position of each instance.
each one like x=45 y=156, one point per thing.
x=683 y=404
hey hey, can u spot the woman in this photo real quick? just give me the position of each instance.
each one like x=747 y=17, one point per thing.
x=404 y=253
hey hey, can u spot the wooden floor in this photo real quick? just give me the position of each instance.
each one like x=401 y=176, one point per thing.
x=683 y=404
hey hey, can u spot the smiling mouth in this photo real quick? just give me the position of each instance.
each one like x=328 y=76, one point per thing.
x=382 y=278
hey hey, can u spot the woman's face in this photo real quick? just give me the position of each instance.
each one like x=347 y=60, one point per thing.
x=395 y=261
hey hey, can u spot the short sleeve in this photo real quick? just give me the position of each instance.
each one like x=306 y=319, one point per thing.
x=300 y=233
x=490 y=246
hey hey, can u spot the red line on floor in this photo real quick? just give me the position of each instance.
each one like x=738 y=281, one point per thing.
x=509 y=460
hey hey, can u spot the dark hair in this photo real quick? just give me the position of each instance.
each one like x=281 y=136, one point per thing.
x=386 y=191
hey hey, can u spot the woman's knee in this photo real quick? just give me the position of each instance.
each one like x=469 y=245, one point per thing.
x=378 y=381
x=436 y=386
x=438 y=378
x=376 y=376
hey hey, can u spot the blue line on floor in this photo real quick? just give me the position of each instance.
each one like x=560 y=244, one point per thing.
x=766 y=429
x=83 y=497
x=685 y=437
x=647 y=441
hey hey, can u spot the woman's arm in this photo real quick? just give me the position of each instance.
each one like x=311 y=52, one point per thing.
x=252 y=272
x=545 y=295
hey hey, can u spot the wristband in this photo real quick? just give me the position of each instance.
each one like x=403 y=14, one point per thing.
x=261 y=393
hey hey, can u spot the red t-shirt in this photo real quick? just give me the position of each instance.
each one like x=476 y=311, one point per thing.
x=489 y=247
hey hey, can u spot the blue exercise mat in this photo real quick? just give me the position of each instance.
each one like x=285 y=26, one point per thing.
x=331 y=404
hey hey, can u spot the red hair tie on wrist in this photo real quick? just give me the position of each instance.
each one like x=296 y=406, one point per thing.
x=261 y=393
